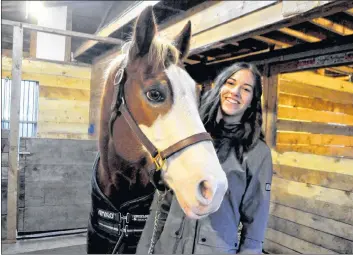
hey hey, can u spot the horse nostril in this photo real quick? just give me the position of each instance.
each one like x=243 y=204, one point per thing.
x=206 y=190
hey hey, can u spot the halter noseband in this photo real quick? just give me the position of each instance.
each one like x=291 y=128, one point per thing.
x=119 y=108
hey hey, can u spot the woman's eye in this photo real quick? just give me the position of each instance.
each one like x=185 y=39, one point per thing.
x=155 y=96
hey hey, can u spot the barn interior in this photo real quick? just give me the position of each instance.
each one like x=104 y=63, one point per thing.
x=303 y=49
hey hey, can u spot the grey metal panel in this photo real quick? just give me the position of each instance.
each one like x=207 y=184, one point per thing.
x=55 y=217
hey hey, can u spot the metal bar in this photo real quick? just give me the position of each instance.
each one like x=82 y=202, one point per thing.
x=62 y=32
x=12 y=189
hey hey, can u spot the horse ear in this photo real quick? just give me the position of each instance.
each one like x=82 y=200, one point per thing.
x=182 y=41
x=145 y=30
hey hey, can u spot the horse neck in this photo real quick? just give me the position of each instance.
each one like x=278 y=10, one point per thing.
x=121 y=181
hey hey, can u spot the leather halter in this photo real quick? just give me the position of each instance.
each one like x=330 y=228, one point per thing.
x=120 y=108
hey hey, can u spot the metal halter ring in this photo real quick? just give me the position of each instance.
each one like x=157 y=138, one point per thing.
x=119 y=75
x=159 y=161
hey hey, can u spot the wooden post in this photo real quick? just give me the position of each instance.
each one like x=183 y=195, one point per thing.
x=270 y=97
x=12 y=194
x=68 y=38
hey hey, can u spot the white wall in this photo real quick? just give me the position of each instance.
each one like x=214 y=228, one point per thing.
x=51 y=46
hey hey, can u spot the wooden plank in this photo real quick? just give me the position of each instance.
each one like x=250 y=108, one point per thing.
x=321 y=178
x=296 y=138
x=323 y=224
x=319 y=238
x=63 y=104
x=55 y=31
x=332 y=26
x=300 y=35
x=12 y=216
x=69 y=136
x=49 y=80
x=295 y=244
x=64 y=93
x=66 y=217
x=314 y=103
x=272 y=247
x=297 y=88
x=57 y=127
x=313 y=162
x=33 y=44
x=317 y=207
x=64 y=115
x=315 y=192
x=46 y=67
x=271 y=109
x=272 y=41
x=313 y=127
x=68 y=39
x=291 y=113
x=67 y=152
x=317 y=80
x=334 y=151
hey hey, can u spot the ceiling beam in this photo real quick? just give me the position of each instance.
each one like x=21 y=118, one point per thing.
x=272 y=41
x=332 y=26
x=300 y=35
x=115 y=25
x=202 y=17
x=350 y=11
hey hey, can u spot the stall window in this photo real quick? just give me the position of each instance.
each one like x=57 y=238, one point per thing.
x=28 y=109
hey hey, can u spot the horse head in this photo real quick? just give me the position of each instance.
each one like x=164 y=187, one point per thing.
x=150 y=103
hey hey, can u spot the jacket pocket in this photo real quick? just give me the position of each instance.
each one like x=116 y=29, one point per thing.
x=211 y=241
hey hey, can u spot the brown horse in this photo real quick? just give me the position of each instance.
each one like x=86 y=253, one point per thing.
x=150 y=127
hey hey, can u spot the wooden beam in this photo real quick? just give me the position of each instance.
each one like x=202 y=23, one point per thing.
x=62 y=32
x=270 y=84
x=311 y=78
x=203 y=17
x=272 y=41
x=238 y=57
x=300 y=35
x=13 y=182
x=332 y=26
x=350 y=11
x=115 y=25
x=68 y=39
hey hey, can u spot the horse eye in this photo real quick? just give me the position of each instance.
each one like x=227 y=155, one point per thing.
x=155 y=95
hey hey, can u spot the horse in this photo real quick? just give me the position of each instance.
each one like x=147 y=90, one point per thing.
x=150 y=136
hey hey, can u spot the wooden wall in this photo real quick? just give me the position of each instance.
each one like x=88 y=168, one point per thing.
x=312 y=191
x=55 y=183
x=64 y=96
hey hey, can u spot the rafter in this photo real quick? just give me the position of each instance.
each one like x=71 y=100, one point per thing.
x=272 y=41
x=332 y=26
x=350 y=11
x=299 y=35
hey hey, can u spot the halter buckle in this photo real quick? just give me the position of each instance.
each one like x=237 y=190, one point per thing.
x=158 y=161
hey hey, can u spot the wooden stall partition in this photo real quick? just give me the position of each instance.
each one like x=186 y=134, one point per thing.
x=64 y=96
x=311 y=199
x=55 y=181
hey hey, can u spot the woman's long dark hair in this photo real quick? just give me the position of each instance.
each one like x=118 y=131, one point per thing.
x=246 y=134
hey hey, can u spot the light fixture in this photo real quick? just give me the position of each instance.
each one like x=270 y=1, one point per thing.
x=35 y=9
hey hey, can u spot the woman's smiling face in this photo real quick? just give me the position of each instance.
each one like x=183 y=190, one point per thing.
x=237 y=93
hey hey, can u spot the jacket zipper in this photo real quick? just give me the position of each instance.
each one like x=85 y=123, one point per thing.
x=195 y=236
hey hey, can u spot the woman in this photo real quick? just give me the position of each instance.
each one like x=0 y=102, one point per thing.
x=232 y=114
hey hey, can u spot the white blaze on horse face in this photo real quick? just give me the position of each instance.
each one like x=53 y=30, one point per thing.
x=186 y=169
